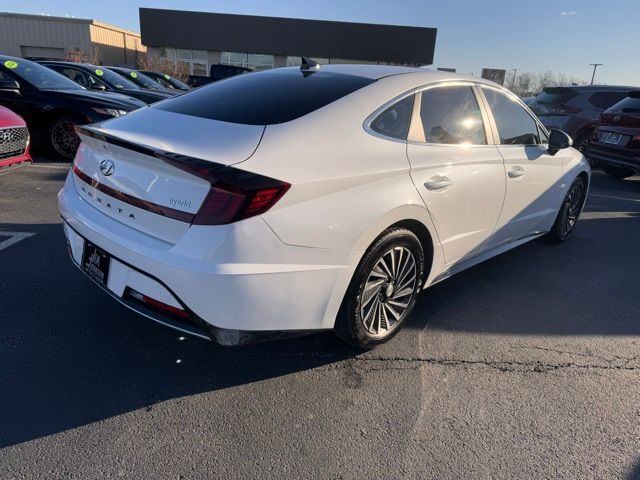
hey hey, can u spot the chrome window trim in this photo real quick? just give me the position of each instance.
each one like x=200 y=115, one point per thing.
x=509 y=94
x=416 y=121
x=378 y=111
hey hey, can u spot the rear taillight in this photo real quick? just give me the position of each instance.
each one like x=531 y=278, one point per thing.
x=234 y=194
x=230 y=203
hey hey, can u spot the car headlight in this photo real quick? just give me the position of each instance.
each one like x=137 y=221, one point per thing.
x=111 y=112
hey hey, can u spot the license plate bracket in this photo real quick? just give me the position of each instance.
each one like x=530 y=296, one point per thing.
x=613 y=138
x=96 y=263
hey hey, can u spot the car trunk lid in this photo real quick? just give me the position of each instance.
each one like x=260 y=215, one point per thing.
x=131 y=169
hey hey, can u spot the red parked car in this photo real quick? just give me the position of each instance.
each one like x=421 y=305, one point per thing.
x=14 y=140
x=616 y=143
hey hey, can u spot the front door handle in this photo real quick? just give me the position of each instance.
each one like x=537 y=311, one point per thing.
x=516 y=172
x=437 y=182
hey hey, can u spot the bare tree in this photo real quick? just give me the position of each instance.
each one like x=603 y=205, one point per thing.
x=546 y=79
x=78 y=55
x=523 y=84
x=161 y=65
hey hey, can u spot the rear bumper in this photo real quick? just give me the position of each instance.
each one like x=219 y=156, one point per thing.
x=605 y=155
x=236 y=281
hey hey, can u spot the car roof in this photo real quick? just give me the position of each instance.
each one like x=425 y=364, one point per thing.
x=597 y=88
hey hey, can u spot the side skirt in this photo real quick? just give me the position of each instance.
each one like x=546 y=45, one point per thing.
x=482 y=256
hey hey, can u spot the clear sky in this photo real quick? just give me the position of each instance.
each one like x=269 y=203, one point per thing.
x=561 y=35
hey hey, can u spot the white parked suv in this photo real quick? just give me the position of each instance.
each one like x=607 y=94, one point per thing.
x=296 y=200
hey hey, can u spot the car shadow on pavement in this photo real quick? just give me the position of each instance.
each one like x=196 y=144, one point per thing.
x=585 y=286
x=70 y=355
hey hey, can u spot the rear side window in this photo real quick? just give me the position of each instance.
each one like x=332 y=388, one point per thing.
x=451 y=115
x=394 y=121
x=265 y=98
x=603 y=100
x=515 y=125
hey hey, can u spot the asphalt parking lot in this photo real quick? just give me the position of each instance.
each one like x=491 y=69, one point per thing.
x=526 y=366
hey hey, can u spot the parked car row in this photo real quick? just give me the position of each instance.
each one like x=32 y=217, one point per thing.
x=53 y=97
x=589 y=113
x=616 y=142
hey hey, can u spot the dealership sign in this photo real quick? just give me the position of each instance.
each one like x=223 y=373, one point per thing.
x=493 y=74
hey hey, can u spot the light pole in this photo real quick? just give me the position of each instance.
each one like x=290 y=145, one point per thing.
x=594 y=65
x=513 y=82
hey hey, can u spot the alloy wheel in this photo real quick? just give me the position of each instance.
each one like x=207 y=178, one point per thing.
x=571 y=209
x=64 y=138
x=388 y=291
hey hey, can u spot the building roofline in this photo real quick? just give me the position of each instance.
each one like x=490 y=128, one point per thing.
x=54 y=18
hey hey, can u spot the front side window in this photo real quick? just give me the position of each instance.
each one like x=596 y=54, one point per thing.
x=394 y=121
x=515 y=125
x=451 y=115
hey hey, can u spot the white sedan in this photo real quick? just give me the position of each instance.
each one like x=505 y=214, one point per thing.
x=296 y=200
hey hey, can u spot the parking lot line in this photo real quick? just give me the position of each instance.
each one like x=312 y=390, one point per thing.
x=14 y=237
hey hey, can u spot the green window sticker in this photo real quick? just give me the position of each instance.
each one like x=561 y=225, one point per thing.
x=99 y=72
x=134 y=75
x=11 y=64
x=167 y=76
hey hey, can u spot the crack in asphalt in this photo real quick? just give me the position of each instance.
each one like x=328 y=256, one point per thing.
x=503 y=366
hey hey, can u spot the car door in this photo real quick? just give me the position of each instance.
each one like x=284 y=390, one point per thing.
x=457 y=170
x=532 y=175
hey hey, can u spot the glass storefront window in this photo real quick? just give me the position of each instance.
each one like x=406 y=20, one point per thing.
x=251 y=60
x=297 y=61
x=193 y=61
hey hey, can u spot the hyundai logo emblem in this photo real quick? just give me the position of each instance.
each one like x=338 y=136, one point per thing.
x=107 y=167
x=6 y=136
x=616 y=118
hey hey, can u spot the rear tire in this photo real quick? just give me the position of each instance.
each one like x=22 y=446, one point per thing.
x=617 y=172
x=383 y=290
x=62 y=138
x=569 y=212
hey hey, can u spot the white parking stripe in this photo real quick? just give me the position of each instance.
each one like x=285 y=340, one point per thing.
x=611 y=197
x=14 y=237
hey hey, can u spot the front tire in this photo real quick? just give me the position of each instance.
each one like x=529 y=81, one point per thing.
x=569 y=211
x=63 y=139
x=383 y=290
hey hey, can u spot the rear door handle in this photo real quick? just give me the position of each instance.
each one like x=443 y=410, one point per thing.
x=437 y=182
x=516 y=172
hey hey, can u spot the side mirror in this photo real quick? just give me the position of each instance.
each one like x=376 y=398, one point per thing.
x=9 y=84
x=558 y=140
x=98 y=86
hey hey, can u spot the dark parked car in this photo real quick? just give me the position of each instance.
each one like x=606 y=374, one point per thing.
x=576 y=109
x=97 y=78
x=140 y=79
x=167 y=81
x=217 y=72
x=616 y=144
x=52 y=105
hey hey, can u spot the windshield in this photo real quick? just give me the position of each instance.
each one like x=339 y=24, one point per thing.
x=142 y=80
x=116 y=81
x=551 y=99
x=628 y=105
x=178 y=84
x=40 y=77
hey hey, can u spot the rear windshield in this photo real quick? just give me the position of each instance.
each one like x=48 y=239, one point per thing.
x=554 y=96
x=265 y=98
x=628 y=105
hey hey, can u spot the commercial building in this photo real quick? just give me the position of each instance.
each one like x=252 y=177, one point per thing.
x=42 y=36
x=197 y=40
